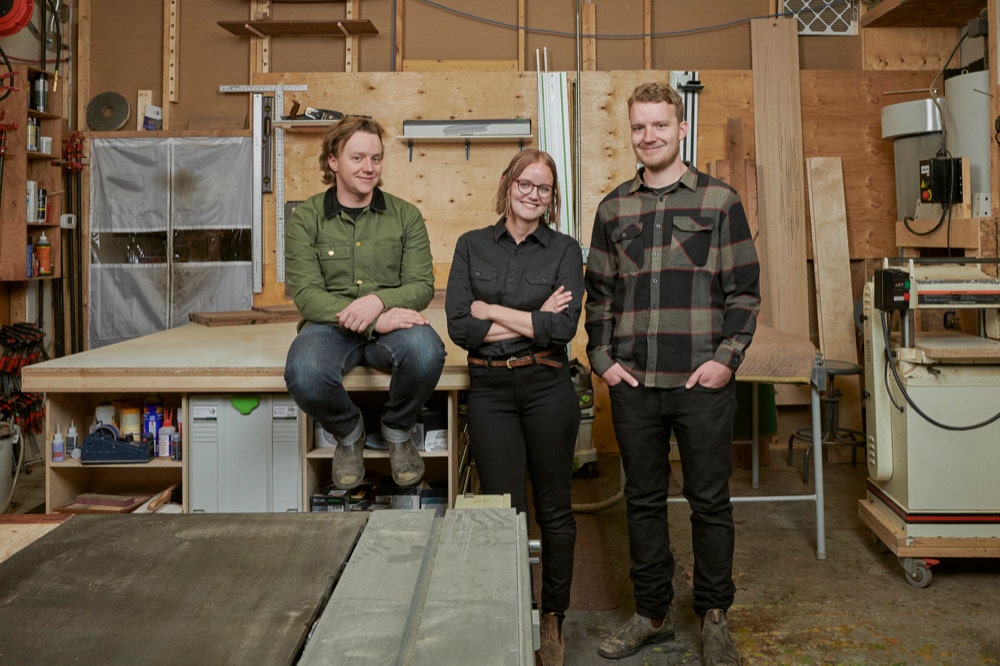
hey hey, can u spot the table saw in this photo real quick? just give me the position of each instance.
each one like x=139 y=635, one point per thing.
x=384 y=587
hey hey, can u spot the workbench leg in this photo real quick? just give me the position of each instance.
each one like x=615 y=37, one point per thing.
x=818 y=473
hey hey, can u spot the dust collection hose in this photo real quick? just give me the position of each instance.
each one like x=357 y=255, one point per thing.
x=603 y=504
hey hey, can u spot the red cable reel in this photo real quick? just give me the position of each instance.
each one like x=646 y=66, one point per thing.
x=14 y=16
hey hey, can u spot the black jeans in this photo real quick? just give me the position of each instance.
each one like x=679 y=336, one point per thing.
x=702 y=421
x=528 y=419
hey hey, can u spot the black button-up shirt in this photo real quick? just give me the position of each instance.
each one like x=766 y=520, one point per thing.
x=489 y=266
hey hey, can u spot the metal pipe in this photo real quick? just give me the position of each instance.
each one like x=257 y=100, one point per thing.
x=578 y=129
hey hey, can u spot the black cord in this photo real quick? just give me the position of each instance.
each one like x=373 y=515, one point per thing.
x=909 y=400
x=10 y=69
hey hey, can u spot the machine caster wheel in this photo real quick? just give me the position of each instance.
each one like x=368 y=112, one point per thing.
x=918 y=572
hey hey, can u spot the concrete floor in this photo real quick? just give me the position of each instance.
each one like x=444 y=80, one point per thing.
x=855 y=607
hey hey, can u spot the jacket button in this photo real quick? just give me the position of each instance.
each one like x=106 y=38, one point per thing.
x=330 y=253
x=358 y=244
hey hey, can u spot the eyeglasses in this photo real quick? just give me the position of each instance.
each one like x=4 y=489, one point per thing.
x=525 y=187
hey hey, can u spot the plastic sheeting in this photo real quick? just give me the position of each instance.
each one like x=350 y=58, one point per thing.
x=169 y=231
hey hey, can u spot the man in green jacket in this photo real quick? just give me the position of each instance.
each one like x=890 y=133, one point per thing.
x=359 y=265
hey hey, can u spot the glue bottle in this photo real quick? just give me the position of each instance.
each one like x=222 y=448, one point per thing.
x=72 y=441
x=58 y=446
x=166 y=432
x=43 y=255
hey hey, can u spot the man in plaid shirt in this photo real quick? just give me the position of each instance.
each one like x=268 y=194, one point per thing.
x=672 y=301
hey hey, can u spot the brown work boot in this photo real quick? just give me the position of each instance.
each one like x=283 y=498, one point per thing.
x=553 y=647
x=349 y=463
x=717 y=648
x=407 y=465
x=634 y=634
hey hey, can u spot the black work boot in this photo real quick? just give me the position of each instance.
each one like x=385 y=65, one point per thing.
x=407 y=465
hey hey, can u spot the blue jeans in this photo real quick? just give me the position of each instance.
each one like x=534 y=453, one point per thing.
x=702 y=421
x=527 y=420
x=322 y=354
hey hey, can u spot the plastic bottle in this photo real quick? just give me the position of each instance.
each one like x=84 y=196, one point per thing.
x=43 y=255
x=30 y=268
x=167 y=431
x=58 y=446
x=72 y=441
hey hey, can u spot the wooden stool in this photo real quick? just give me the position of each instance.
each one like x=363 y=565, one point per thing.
x=832 y=433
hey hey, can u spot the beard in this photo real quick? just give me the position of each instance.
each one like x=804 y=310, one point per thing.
x=659 y=159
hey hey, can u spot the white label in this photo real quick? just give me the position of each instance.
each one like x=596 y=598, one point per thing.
x=205 y=412
x=286 y=412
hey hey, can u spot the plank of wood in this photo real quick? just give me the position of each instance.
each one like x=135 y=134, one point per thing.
x=242 y=317
x=172 y=589
x=832 y=271
x=300 y=28
x=915 y=13
x=143 y=98
x=19 y=530
x=780 y=181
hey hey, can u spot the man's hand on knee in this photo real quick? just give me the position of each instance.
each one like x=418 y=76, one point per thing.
x=394 y=319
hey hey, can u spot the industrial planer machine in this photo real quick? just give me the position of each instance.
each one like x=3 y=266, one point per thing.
x=933 y=412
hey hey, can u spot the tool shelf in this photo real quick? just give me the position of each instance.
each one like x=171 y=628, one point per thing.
x=21 y=165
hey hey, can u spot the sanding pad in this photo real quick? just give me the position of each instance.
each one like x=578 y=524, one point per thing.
x=107 y=112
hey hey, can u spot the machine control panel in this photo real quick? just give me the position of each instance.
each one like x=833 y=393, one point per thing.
x=892 y=289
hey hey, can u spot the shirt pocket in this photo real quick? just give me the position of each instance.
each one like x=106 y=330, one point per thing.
x=538 y=286
x=692 y=242
x=334 y=262
x=484 y=284
x=629 y=247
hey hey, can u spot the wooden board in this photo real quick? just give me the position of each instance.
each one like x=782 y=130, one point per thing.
x=780 y=182
x=927 y=13
x=300 y=28
x=891 y=531
x=172 y=589
x=217 y=359
x=242 y=317
x=17 y=531
x=832 y=270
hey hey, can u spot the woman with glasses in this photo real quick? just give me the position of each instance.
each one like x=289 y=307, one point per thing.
x=513 y=301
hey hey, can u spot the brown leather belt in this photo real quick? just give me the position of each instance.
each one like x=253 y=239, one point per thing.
x=537 y=358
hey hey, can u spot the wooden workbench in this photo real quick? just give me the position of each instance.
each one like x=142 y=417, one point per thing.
x=191 y=359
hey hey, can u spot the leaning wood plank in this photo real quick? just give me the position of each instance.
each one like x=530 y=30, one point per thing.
x=832 y=268
x=780 y=181
x=367 y=615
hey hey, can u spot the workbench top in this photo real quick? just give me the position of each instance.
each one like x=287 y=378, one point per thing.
x=244 y=358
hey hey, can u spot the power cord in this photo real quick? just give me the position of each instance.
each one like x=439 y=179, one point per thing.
x=886 y=322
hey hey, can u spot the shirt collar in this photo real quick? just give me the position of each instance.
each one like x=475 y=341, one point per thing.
x=688 y=179
x=332 y=207
x=543 y=233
